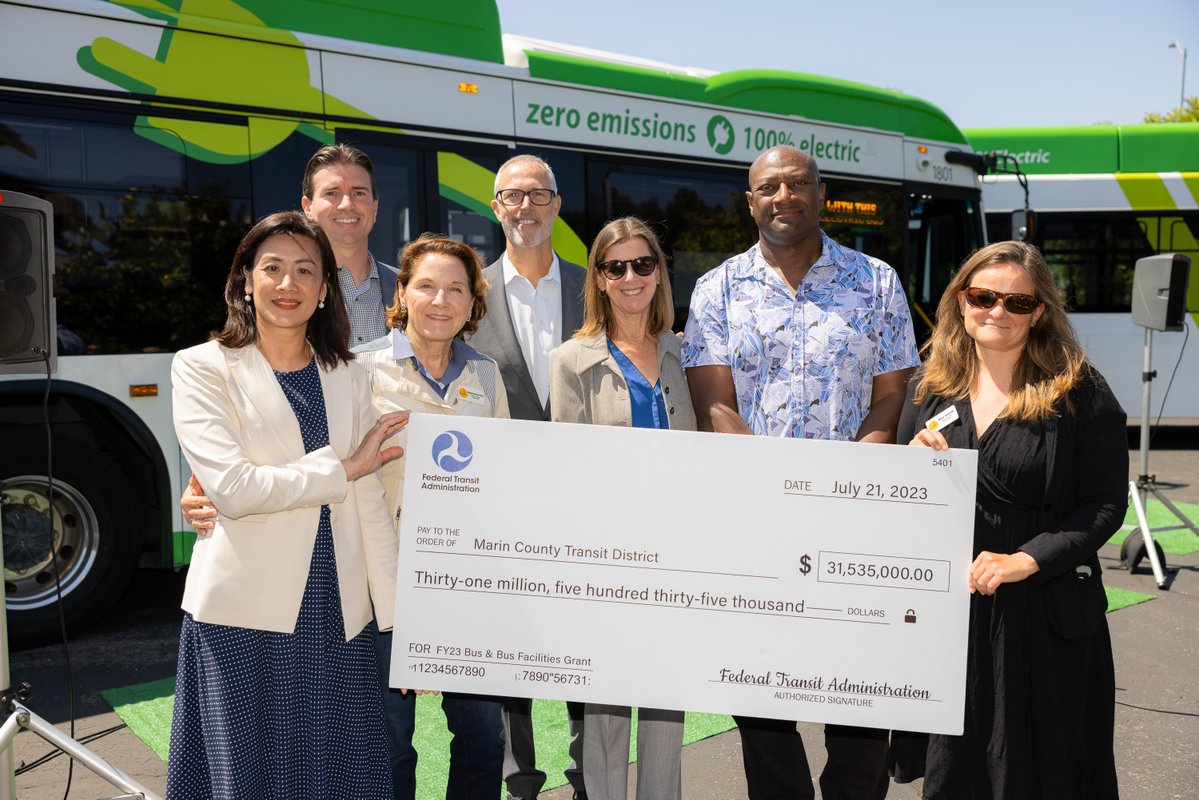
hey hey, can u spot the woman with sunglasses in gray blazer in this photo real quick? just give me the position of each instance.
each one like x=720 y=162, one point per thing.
x=623 y=368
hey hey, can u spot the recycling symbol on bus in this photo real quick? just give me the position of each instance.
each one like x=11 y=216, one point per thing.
x=720 y=134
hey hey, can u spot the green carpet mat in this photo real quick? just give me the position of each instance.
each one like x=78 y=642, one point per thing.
x=146 y=709
x=1123 y=598
x=1179 y=543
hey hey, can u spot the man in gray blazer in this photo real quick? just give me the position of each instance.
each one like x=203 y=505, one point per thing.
x=535 y=302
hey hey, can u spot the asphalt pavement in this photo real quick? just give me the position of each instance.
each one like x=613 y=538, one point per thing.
x=1155 y=643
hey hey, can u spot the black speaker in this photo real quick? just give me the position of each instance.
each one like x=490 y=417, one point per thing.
x=27 y=313
x=1159 y=291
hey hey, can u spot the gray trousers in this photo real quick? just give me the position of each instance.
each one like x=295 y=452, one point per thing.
x=606 y=753
x=521 y=775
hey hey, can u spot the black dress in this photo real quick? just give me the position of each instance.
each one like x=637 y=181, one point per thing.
x=282 y=716
x=1040 y=691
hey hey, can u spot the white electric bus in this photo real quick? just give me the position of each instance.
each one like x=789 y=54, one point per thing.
x=1105 y=196
x=159 y=136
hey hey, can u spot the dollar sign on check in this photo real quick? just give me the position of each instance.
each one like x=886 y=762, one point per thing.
x=805 y=564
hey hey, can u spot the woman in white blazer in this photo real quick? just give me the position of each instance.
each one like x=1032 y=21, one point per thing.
x=623 y=368
x=424 y=366
x=277 y=694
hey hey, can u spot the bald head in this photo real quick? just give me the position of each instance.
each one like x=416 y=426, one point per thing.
x=785 y=198
x=525 y=164
x=784 y=155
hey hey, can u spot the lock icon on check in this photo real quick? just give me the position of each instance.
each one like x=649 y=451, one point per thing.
x=910 y=616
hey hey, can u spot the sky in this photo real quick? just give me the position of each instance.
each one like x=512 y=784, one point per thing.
x=986 y=64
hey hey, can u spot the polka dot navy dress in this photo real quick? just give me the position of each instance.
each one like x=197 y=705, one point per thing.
x=274 y=715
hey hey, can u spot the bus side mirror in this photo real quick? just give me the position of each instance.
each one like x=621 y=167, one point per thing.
x=1024 y=225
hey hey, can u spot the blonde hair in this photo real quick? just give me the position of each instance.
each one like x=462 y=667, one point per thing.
x=1050 y=365
x=597 y=308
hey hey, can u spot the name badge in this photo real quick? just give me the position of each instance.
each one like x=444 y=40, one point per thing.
x=467 y=394
x=946 y=417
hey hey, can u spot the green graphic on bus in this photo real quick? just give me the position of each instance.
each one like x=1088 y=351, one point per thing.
x=270 y=73
x=720 y=134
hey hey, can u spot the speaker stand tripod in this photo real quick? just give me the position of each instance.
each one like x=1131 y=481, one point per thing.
x=17 y=718
x=1140 y=542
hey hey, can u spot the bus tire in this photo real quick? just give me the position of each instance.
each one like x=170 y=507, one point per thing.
x=94 y=542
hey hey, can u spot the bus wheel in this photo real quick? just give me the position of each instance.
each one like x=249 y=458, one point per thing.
x=83 y=531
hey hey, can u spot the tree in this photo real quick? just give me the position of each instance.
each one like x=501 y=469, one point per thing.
x=1188 y=113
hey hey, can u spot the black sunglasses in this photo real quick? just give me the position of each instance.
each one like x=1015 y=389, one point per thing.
x=615 y=269
x=1012 y=303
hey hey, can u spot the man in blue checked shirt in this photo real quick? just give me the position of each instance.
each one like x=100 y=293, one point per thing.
x=800 y=336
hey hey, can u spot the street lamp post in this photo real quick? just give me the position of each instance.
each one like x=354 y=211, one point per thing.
x=1182 y=95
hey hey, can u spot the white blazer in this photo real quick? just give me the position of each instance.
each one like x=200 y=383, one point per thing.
x=243 y=443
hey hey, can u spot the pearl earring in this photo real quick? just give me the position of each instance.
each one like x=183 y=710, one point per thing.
x=248 y=298
x=321 y=304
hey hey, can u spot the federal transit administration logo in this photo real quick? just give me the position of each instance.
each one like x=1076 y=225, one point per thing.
x=453 y=451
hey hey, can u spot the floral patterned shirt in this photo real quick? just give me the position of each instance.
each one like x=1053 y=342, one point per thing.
x=803 y=364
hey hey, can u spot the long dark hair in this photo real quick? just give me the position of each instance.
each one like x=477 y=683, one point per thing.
x=328 y=328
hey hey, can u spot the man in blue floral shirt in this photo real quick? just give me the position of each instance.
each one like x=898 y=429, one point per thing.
x=801 y=337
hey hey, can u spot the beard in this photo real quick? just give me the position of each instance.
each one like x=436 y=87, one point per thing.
x=536 y=237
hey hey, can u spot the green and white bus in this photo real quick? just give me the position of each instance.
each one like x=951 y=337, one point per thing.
x=1104 y=196
x=159 y=129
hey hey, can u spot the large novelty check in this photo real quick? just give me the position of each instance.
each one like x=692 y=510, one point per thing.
x=786 y=578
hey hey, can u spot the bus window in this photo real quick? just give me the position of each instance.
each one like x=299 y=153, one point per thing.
x=1093 y=256
x=48 y=150
x=702 y=218
x=866 y=217
x=140 y=260
x=469 y=218
x=940 y=230
x=401 y=211
x=398 y=182
x=1181 y=235
x=278 y=175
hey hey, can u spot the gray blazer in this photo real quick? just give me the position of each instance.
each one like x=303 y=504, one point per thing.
x=387 y=281
x=587 y=386
x=496 y=337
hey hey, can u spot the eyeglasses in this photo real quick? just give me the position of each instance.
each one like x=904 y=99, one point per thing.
x=1012 y=303
x=516 y=197
x=615 y=269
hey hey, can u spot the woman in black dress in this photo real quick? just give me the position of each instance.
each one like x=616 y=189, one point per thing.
x=1052 y=488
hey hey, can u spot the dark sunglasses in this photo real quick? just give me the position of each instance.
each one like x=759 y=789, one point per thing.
x=1012 y=303
x=615 y=269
